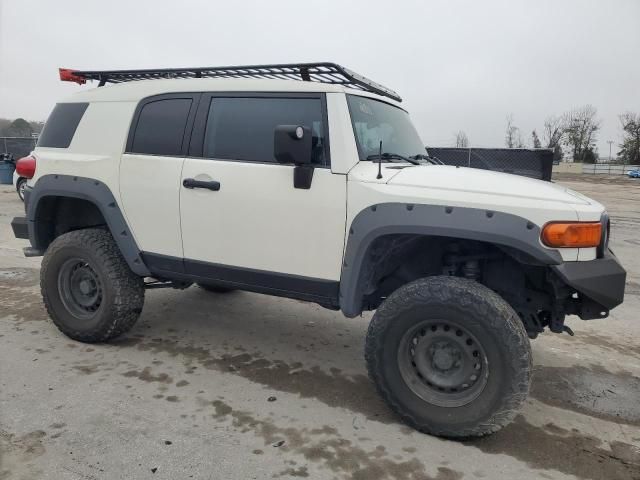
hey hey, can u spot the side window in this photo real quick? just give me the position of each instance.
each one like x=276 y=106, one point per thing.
x=161 y=126
x=242 y=128
x=61 y=125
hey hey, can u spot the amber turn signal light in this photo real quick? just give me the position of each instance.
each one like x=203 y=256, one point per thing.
x=571 y=235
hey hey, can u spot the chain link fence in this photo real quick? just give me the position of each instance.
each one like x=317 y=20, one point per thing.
x=18 y=147
x=608 y=168
x=534 y=163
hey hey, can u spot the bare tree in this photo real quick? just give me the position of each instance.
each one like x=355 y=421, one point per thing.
x=554 y=130
x=553 y=135
x=513 y=137
x=630 y=146
x=535 y=140
x=462 y=141
x=581 y=127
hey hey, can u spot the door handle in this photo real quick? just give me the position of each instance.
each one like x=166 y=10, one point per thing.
x=192 y=183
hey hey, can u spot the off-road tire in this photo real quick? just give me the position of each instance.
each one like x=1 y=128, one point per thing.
x=210 y=287
x=488 y=318
x=122 y=290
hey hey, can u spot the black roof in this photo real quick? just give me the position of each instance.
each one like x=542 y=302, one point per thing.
x=324 y=72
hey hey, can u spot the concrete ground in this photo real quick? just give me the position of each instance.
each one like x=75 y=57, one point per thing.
x=244 y=386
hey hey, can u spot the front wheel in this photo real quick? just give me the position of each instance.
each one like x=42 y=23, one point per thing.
x=450 y=356
x=87 y=287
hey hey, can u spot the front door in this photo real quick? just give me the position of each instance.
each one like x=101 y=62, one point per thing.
x=257 y=229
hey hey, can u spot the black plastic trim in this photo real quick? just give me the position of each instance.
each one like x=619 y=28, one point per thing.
x=498 y=228
x=299 y=287
x=602 y=280
x=95 y=192
x=20 y=227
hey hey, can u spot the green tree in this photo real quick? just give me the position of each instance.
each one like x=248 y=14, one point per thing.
x=18 y=128
x=630 y=146
x=581 y=131
x=590 y=155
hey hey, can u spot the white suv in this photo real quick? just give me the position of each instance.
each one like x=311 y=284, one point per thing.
x=310 y=182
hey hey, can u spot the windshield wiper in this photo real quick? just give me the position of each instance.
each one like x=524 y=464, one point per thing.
x=391 y=157
x=434 y=161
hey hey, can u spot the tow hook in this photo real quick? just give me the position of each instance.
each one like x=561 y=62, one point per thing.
x=568 y=330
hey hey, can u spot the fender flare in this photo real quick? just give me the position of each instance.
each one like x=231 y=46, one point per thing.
x=100 y=195
x=483 y=225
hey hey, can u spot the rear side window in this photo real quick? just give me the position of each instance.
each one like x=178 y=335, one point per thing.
x=243 y=128
x=161 y=127
x=61 y=125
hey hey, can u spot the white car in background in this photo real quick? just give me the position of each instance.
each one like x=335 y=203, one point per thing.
x=20 y=183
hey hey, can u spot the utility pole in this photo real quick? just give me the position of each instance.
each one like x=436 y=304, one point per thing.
x=610 y=142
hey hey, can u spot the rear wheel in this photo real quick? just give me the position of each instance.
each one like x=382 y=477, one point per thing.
x=450 y=356
x=87 y=287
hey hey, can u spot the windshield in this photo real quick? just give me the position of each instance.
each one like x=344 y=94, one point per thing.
x=374 y=120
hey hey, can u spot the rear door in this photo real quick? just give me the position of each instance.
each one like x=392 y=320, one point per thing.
x=150 y=171
x=257 y=229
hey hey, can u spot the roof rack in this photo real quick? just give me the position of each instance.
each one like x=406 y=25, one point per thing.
x=310 y=72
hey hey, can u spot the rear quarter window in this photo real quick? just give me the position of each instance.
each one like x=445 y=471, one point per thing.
x=160 y=127
x=61 y=125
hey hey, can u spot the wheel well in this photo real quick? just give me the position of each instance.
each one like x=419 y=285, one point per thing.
x=56 y=215
x=395 y=260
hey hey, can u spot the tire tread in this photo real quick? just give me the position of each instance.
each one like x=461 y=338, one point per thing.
x=468 y=295
x=128 y=288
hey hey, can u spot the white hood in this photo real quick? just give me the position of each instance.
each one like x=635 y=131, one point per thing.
x=471 y=180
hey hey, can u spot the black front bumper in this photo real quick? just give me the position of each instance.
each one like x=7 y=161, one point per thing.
x=601 y=281
x=20 y=227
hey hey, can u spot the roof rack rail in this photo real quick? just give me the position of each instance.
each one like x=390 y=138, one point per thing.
x=311 y=72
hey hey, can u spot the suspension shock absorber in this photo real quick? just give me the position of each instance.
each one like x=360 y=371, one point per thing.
x=471 y=269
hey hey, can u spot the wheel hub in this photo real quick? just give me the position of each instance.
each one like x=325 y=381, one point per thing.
x=444 y=356
x=80 y=288
x=443 y=363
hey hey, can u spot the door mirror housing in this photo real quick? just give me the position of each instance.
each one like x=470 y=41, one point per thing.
x=292 y=144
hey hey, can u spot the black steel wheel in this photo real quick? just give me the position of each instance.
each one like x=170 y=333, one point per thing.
x=449 y=356
x=87 y=287
x=443 y=363
x=80 y=288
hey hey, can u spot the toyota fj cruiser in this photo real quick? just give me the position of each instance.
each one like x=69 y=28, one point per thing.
x=309 y=181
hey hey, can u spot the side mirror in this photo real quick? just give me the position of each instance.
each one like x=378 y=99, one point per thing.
x=292 y=144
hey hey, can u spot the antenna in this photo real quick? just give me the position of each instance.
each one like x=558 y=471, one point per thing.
x=380 y=161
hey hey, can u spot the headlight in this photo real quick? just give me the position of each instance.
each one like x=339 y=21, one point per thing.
x=572 y=234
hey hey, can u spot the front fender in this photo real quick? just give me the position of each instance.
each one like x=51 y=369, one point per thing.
x=498 y=228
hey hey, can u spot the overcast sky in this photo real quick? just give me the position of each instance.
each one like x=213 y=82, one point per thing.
x=457 y=64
